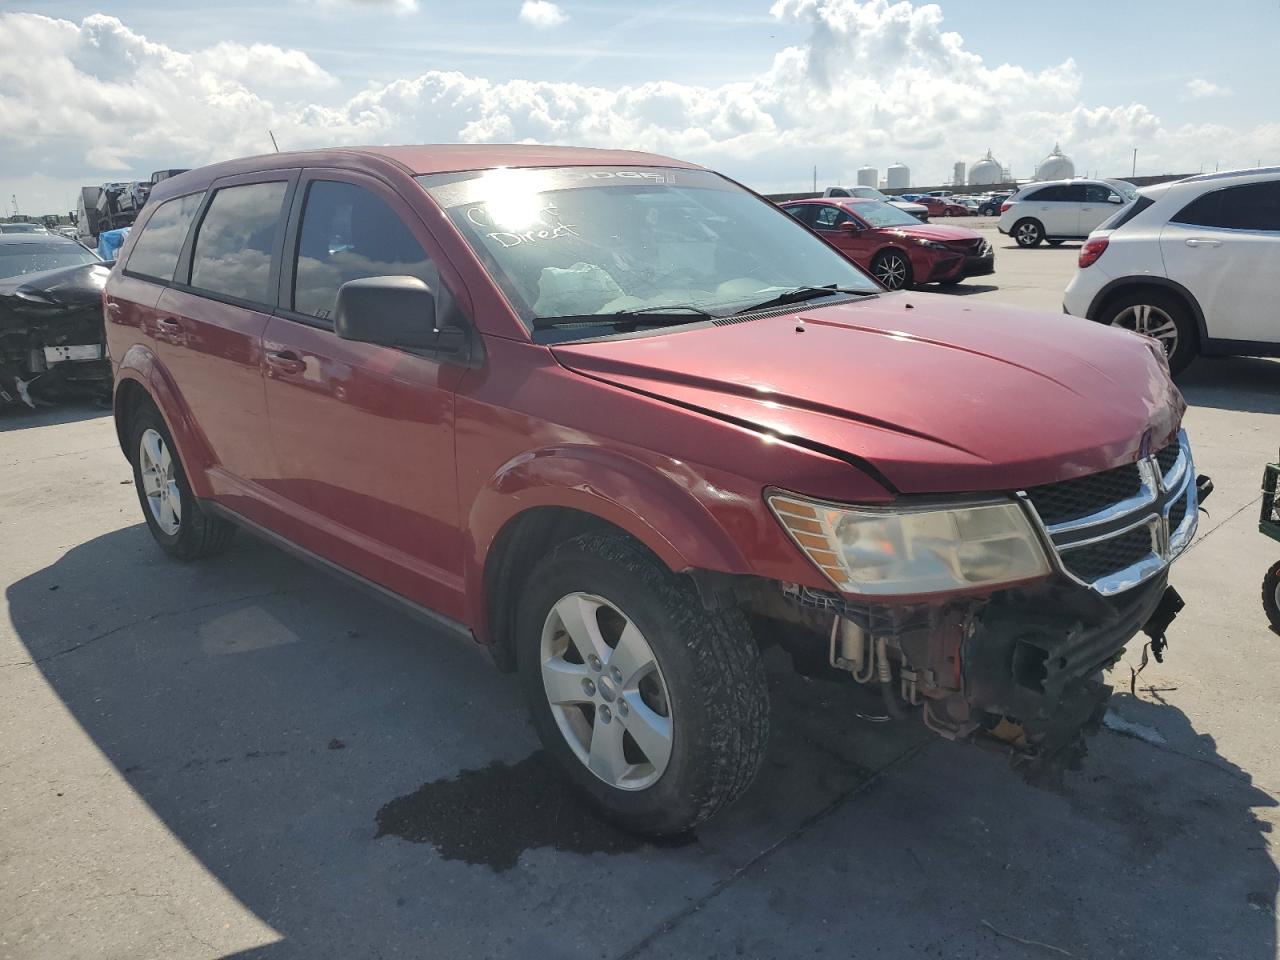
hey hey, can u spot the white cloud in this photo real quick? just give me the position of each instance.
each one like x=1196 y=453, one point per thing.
x=542 y=13
x=397 y=6
x=1199 y=89
x=873 y=82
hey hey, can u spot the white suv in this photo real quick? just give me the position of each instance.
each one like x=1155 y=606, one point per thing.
x=1193 y=263
x=1058 y=210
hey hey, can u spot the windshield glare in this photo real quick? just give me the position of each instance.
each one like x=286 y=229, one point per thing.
x=17 y=259
x=880 y=214
x=586 y=241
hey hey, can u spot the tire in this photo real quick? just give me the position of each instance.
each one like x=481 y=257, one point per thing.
x=893 y=269
x=1153 y=311
x=188 y=533
x=1056 y=243
x=704 y=690
x=1271 y=595
x=1027 y=233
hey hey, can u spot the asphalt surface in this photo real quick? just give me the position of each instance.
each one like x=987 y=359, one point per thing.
x=246 y=758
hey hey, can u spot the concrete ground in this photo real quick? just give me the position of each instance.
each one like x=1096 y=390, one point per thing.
x=245 y=758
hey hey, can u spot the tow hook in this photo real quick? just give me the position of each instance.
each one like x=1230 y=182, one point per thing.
x=1204 y=487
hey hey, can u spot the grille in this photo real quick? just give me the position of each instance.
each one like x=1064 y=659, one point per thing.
x=1167 y=458
x=1073 y=499
x=1109 y=556
x=1177 y=513
x=968 y=247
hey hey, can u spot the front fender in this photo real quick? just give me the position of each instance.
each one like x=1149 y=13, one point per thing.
x=656 y=504
x=140 y=365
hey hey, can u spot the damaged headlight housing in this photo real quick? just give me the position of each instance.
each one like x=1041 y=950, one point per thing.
x=914 y=550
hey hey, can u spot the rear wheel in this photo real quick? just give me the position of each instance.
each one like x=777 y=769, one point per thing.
x=1158 y=314
x=174 y=516
x=1271 y=595
x=892 y=269
x=656 y=707
x=1028 y=233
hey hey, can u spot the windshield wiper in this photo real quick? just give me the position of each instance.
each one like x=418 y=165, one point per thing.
x=800 y=295
x=667 y=315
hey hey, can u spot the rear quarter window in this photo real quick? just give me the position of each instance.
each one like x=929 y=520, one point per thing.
x=156 y=250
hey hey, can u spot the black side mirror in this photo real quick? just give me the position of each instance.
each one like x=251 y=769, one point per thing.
x=391 y=311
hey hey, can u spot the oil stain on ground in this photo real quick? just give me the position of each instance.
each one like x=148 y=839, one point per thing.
x=492 y=815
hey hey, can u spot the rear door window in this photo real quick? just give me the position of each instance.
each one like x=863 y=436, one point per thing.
x=349 y=233
x=156 y=251
x=801 y=211
x=1250 y=206
x=1045 y=194
x=236 y=240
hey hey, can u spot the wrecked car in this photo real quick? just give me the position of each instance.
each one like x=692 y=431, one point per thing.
x=626 y=423
x=51 y=335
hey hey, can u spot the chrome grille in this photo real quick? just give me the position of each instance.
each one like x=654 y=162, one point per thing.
x=1113 y=530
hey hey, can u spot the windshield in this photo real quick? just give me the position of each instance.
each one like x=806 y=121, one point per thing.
x=880 y=214
x=19 y=258
x=586 y=241
x=868 y=193
x=1124 y=188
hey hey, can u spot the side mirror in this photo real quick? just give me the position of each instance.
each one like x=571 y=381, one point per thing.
x=391 y=311
x=849 y=226
x=1114 y=199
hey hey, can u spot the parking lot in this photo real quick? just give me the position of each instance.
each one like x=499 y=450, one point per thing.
x=246 y=758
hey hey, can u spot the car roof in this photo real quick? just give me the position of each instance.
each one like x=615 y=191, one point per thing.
x=418 y=159
x=1231 y=174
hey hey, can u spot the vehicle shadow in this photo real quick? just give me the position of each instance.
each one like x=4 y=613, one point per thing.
x=15 y=417
x=964 y=289
x=1246 y=384
x=369 y=788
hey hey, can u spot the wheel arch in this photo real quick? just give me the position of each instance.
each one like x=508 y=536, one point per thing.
x=1123 y=285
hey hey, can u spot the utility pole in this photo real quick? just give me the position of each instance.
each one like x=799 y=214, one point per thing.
x=1135 y=162
x=815 y=178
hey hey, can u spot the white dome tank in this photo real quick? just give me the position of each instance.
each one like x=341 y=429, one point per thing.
x=957 y=174
x=1056 y=166
x=868 y=176
x=986 y=171
x=899 y=177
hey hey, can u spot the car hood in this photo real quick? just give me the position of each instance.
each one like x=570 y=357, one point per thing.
x=937 y=395
x=936 y=231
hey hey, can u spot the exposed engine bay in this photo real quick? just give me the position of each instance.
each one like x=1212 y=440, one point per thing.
x=52 y=343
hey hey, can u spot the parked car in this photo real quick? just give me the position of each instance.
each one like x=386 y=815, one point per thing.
x=51 y=336
x=893 y=246
x=990 y=206
x=1191 y=263
x=917 y=210
x=1060 y=210
x=969 y=203
x=944 y=207
x=623 y=421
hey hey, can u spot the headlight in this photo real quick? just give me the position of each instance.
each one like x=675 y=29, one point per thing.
x=916 y=550
x=931 y=244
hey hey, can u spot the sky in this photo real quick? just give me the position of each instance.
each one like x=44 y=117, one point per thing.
x=762 y=91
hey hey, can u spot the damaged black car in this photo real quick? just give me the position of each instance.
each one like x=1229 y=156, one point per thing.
x=51 y=335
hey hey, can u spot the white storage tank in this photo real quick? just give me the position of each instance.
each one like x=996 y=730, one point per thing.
x=899 y=177
x=1056 y=166
x=868 y=176
x=986 y=171
x=957 y=173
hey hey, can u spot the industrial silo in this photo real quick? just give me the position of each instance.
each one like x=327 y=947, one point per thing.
x=957 y=174
x=868 y=176
x=899 y=177
x=986 y=171
x=1056 y=166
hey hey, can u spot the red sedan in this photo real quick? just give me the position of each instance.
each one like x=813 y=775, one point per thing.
x=943 y=207
x=895 y=247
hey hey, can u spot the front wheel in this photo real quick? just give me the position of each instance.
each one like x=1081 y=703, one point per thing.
x=176 y=520
x=1155 y=313
x=1271 y=595
x=656 y=707
x=1028 y=233
x=892 y=269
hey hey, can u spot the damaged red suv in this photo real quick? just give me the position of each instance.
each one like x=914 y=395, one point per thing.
x=624 y=422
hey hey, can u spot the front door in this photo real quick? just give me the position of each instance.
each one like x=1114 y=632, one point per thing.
x=363 y=434
x=846 y=232
x=1224 y=247
x=1099 y=203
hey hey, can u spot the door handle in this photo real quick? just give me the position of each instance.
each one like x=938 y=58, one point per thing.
x=285 y=361
x=1197 y=242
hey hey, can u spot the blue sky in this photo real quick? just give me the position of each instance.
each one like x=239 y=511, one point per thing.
x=762 y=91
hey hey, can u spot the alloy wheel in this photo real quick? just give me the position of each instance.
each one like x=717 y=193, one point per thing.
x=156 y=465
x=606 y=691
x=1150 y=321
x=891 y=270
x=1027 y=235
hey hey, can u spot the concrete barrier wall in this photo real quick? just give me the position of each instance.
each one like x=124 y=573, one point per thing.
x=973 y=190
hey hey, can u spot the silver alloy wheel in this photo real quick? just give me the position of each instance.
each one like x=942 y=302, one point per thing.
x=606 y=691
x=1150 y=321
x=891 y=270
x=1276 y=594
x=1027 y=234
x=156 y=466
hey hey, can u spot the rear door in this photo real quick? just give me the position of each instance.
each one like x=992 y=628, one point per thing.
x=1052 y=206
x=1224 y=247
x=363 y=434
x=210 y=325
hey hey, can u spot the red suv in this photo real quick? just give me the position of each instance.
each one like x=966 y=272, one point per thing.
x=625 y=421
